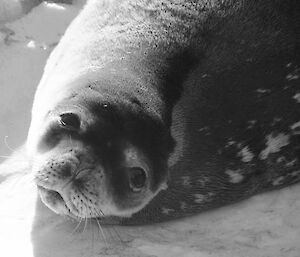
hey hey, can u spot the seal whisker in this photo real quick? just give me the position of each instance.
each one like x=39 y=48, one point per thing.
x=93 y=237
x=100 y=213
x=6 y=144
x=89 y=222
x=12 y=158
x=23 y=179
x=102 y=232
x=117 y=233
x=71 y=141
x=85 y=224
x=77 y=226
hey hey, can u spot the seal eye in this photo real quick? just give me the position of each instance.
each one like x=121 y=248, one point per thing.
x=69 y=121
x=137 y=179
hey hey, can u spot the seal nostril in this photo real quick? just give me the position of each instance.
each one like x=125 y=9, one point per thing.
x=69 y=121
x=56 y=194
x=137 y=178
x=66 y=171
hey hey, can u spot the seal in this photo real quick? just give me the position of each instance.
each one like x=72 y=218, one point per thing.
x=154 y=110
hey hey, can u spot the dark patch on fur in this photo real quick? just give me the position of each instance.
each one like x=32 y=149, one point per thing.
x=179 y=67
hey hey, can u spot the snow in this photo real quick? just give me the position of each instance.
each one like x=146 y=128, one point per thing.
x=265 y=225
x=10 y=10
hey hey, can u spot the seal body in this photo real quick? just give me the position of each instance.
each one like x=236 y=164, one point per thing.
x=200 y=95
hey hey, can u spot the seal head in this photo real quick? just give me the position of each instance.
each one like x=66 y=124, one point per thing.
x=100 y=154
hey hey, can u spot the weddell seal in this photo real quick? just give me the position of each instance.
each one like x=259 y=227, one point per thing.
x=154 y=110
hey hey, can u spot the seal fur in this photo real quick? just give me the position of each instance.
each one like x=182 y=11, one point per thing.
x=221 y=76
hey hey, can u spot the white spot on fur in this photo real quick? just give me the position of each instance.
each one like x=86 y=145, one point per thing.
x=295 y=125
x=274 y=144
x=203 y=129
x=166 y=211
x=251 y=123
x=295 y=173
x=230 y=143
x=283 y=161
x=275 y=121
x=289 y=65
x=292 y=76
x=280 y=159
x=263 y=90
x=235 y=176
x=199 y=198
x=186 y=181
x=297 y=97
x=291 y=163
x=278 y=181
x=295 y=128
x=203 y=181
x=246 y=155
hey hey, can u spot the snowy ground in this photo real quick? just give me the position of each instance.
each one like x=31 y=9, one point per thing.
x=264 y=226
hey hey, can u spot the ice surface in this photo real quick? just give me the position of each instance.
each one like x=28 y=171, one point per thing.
x=267 y=225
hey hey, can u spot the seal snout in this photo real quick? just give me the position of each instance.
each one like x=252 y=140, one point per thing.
x=68 y=184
